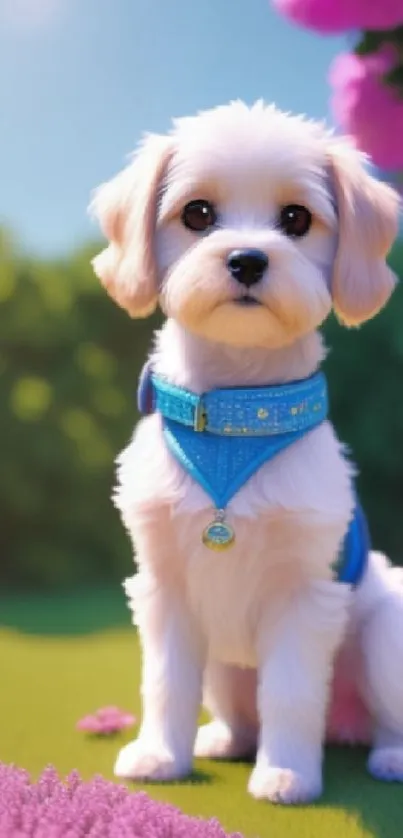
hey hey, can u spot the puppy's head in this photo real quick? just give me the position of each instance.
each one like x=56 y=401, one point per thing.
x=247 y=225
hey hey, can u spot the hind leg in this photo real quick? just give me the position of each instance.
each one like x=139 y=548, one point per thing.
x=230 y=696
x=382 y=643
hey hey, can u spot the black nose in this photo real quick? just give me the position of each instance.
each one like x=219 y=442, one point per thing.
x=247 y=266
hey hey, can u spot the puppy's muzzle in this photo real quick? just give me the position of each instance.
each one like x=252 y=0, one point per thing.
x=247 y=266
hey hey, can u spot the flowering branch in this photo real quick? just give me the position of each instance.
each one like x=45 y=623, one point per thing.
x=367 y=83
x=373 y=40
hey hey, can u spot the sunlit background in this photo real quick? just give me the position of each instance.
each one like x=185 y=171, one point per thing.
x=82 y=79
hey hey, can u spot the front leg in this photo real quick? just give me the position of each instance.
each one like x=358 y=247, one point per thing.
x=171 y=691
x=294 y=676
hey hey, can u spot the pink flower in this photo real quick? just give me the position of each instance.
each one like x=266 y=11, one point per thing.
x=52 y=808
x=105 y=721
x=368 y=108
x=340 y=15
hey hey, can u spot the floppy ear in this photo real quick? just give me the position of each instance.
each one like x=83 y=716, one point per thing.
x=368 y=224
x=126 y=209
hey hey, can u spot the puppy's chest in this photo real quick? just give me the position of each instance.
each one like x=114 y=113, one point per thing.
x=287 y=529
x=289 y=518
x=231 y=592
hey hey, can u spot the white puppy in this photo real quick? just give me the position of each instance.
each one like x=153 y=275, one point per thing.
x=247 y=225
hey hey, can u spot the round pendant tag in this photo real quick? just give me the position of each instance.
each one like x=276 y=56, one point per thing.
x=218 y=536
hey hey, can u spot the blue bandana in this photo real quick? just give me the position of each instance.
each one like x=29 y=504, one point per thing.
x=223 y=437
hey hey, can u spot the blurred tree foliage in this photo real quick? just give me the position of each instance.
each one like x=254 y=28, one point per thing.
x=69 y=362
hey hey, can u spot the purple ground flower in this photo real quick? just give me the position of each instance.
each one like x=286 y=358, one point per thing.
x=106 y=721
x=50 y=808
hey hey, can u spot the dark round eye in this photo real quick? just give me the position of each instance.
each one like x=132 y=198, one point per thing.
x=295 y=220
x=199 y=216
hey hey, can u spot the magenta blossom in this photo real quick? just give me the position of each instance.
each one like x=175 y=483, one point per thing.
x=95 y=809
x=368 y=108
x=105 y=721
x=341 y=15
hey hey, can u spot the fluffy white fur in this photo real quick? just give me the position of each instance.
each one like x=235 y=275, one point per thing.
x=280 y=650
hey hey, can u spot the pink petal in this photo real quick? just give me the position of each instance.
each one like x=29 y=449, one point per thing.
x=367 y=108
x=106 y=728
x=105 y=712
x=328 y=16
x=127 y=720
x=88 y=723
x=105 y=721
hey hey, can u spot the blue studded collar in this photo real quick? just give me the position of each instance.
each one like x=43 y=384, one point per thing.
x=221 y=438
x=239 y=411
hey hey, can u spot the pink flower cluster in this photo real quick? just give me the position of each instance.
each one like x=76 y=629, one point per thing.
x=95 y=809
x=367 y=101
x=329 y=16
x=368 y=108
x=106 y=721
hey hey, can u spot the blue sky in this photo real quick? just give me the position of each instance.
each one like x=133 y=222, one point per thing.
x=80 y=80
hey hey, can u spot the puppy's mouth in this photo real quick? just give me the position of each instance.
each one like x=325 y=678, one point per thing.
x=246 y=301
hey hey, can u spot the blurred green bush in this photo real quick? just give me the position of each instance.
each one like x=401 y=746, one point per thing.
x=69 y=362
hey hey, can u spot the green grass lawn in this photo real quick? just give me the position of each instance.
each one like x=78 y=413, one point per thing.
x=64 y=657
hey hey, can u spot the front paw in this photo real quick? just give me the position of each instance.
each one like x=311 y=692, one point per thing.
x=282 y=785
x=145 y=761
x=387 y=764
x=217 y=741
